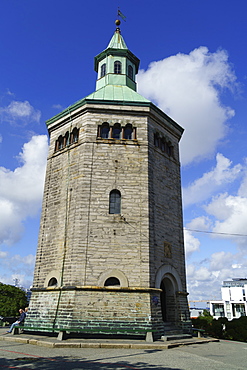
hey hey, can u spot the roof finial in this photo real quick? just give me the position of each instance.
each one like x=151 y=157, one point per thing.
x=117 y=23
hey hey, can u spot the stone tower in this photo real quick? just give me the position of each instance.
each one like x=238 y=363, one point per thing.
x=110 y=250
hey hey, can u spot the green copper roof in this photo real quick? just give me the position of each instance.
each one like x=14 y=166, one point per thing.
x=117 y=41
x=117 y=93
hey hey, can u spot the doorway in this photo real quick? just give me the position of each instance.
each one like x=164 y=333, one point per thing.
x=168 y=300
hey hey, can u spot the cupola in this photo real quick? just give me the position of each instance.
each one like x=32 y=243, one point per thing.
x=116 y=65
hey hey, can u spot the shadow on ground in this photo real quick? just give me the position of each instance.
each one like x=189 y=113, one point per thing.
x=69 y=363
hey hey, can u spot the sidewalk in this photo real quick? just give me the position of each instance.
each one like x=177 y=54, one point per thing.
x=52 y=342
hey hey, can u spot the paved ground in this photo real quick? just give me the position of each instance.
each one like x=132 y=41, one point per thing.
x=213 y=355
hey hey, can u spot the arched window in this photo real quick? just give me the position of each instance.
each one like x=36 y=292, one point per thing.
x=117 y=67
x=130 y=72
x=169 y=149
x=105 y=129
x=66 y=139
x=52 y=282
x=163 y=145
x=116 y=131
x=74 y=135
x=115 y=202
x=128 y=132
x=60 y=142
x=156 y=139
x=112 y=281
x=103 y=70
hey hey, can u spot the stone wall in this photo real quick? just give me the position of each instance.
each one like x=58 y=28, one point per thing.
x=93 y=308
x=81 y=244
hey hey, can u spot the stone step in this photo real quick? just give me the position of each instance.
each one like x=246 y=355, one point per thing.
x=175 y=337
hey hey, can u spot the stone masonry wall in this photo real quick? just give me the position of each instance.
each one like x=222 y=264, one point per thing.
x=78 y=236
x=92 y=309
x=166 y=223
x=81 y=244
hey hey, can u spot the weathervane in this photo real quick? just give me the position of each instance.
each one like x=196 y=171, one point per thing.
x=118 y=22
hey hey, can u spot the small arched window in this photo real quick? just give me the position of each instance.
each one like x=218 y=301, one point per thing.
x=128 y=132
x=169 y=149
x=116 y=131
x=117 y=67
x=115 y=202
x=130 y=72
x=52 y=282
x=156 y=139
x=74 y=135
x=163 y=145
x=66 y=139
x=105 y=129
x=103 y=70
x=60 y=142
x=112 y=281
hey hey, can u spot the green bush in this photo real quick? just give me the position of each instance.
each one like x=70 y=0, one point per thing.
x=235 y=329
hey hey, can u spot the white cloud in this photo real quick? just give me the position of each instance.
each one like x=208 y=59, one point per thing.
x=231 y=215
x=202 y=188
x=58 y=106
x=21 y=190
x=205 y=278
x=18 y=111
x=221 y=260
x=187 y=87
x=201 y=223
x=3 y=254
x=191 y=243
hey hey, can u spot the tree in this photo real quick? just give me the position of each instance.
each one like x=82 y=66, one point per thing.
x=11 y=300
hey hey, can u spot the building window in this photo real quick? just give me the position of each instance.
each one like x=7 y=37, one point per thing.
x=117 y=67
x=105 y=130
x=116 y=131
x=60 y=142
x=74 y=136
x=164 y=145
x=128 y=132
x=156 y=139
x=103 y=70
x=112 y=281
x=52 y=282
x=67 y=139
x=130 y=72
x=115 y=202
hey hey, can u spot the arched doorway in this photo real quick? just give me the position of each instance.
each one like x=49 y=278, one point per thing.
x=168 y=300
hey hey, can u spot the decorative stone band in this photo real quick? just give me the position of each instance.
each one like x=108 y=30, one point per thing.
x=93 y=288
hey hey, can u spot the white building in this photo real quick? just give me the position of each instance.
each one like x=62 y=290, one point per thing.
x=233 y=303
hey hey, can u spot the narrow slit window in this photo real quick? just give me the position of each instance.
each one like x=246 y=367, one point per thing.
x=115 y=202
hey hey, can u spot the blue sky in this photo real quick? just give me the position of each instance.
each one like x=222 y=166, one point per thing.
x=193 y=66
